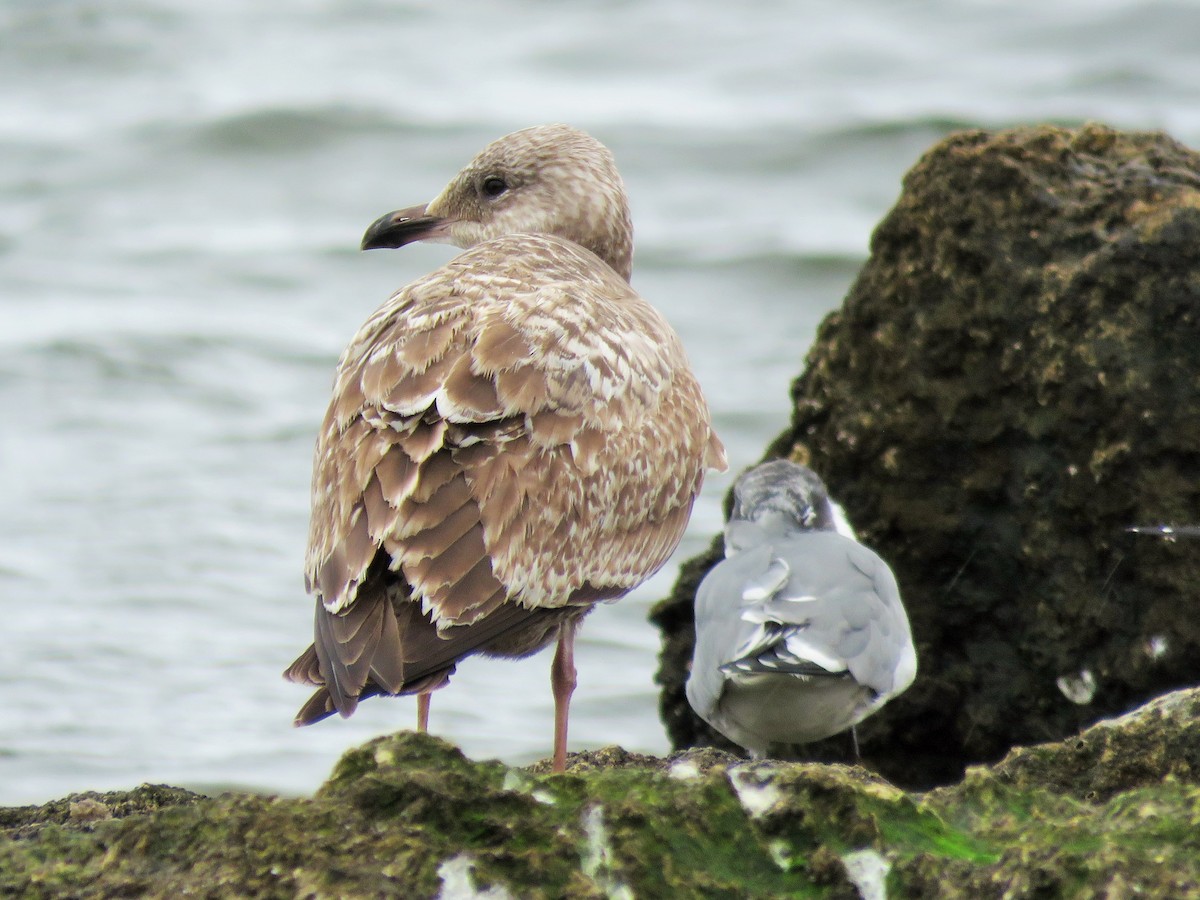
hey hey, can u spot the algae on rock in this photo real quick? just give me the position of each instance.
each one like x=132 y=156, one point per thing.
x=409 y=816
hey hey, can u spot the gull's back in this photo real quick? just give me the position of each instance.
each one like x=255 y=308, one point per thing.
x=800 y=633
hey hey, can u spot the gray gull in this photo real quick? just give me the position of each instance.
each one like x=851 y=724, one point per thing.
x=800 y=632
x=512 y=438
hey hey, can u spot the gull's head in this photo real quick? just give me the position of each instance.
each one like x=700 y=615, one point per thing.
x=548 y=179
x=781 y=497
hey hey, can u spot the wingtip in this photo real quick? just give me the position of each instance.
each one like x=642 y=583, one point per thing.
x=318 y=707
x=305 y=669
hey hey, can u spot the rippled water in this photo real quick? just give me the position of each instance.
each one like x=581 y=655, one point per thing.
x=182 y=189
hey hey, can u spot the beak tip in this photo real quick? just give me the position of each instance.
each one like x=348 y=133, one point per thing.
x=395 y=229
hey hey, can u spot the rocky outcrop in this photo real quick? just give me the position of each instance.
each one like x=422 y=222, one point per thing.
x=1012 y=382
x=1110 y=812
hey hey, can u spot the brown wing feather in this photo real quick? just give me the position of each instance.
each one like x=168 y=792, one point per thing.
x=430 y=655
x=492 y=446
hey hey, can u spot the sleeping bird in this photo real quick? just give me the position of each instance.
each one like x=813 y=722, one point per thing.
x=800 y=632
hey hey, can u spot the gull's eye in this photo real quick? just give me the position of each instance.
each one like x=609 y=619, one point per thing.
x=493 y=186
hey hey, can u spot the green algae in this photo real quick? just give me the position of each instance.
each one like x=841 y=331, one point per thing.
x=396 y=810
x=1145 y=839
x=401 y=814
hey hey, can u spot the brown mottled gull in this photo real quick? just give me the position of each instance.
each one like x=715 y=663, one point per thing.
x=511 y=439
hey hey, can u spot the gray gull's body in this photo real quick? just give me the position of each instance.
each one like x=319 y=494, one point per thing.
x=800 y=632
x=512 y=438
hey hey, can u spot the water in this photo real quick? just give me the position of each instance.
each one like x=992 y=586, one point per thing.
x=182 y=189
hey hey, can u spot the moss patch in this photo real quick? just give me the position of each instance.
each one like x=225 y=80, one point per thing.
x=409 y=815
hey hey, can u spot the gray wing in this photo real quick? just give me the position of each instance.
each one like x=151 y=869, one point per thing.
x=845 y=607
x=720 y=628
x=812 y=604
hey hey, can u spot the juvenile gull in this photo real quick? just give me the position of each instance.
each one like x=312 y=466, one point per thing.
x=512 y=438
x=800 y=632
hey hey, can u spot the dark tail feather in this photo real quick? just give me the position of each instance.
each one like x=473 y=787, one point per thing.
x=306 y=669
x=320 y=704
x=347 y=643
x=360 y=654
x=384 y=644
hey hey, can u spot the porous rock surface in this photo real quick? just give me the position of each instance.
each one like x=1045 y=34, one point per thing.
x=1107 y=813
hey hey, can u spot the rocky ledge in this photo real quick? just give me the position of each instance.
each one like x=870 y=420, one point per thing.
x=1108 y=813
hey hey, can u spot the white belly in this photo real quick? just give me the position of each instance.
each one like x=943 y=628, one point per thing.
x=789 y=710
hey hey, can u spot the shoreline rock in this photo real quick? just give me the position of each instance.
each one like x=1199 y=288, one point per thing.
x=1109 y=812
x=1011 y=383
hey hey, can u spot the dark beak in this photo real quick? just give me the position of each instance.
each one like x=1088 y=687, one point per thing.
x=404 y=226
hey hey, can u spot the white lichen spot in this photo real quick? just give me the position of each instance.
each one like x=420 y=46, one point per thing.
x=781 y=854
x=1079 y=688
x=1157 y=646
x=458 y=882
x=684 y=770
x=519 y=783
x=385 y=757
x=757 y=794
x=597 y=857
x=868 y=870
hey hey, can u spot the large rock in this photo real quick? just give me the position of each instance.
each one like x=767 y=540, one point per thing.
x=1109 y=813
x=1012 y=382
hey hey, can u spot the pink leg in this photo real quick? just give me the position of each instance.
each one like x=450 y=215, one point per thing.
x=423 y=712
x=562 y=682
